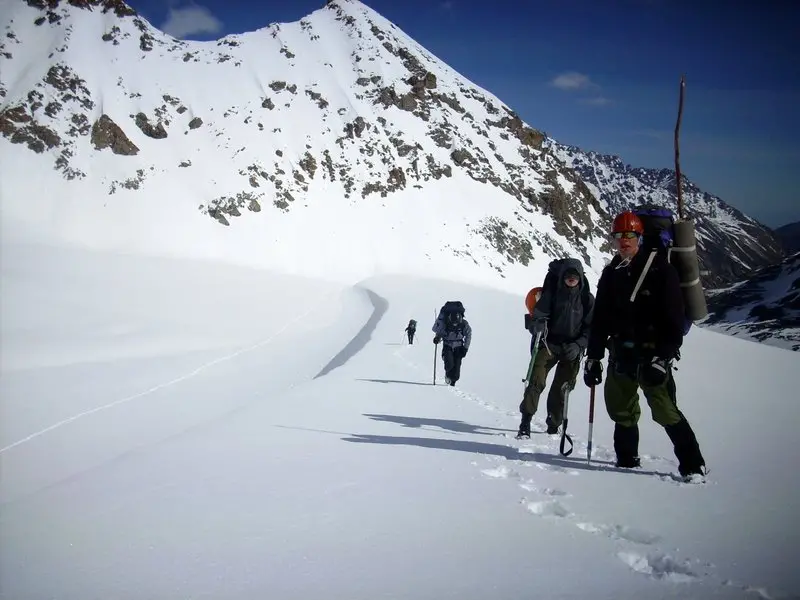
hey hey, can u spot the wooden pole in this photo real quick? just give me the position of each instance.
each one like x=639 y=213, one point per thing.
x=677 y=149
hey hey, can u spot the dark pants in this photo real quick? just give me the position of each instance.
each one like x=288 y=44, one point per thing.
x=621 y=391
x=452 y=363
x=565 y=376
x=411 y=333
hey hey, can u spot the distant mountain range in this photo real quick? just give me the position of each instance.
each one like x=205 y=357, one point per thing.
x=790 y=236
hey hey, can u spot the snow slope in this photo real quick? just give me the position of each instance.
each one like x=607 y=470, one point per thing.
x=181 y=429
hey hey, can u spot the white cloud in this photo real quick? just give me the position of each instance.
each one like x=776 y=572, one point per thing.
x=596 y=101
x=191 y=20
x=572 y=80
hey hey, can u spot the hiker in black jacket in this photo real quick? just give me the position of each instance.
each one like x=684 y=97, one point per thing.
x=411 y=329
x=639 y=317
x=561 y=318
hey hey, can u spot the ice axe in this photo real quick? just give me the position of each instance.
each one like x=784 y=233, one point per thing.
x=564 y=435
x=527 y=379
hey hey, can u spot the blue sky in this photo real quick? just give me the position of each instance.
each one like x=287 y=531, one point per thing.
x=604 y=74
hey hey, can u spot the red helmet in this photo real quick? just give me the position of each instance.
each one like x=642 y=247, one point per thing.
x=627 y=221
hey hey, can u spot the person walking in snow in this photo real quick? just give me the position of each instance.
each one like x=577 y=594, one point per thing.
x=455 y=333
x=411 y=329
x=639 y=316
x=561 y=320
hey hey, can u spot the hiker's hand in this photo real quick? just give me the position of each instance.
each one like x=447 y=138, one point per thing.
x=570 y=351
x=462 y=352
x=437 y=339
x=656 y=372
x=593 y=372
x=539 y=326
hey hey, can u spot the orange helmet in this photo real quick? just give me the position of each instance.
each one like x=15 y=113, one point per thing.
x=627 y=221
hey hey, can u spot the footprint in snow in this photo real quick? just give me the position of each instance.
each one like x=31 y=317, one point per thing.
x=487 y=405
x=658 y=566
x=621 y=532
x=500 y=472
x=556 y=469
x=548 y=508
x=547 y=491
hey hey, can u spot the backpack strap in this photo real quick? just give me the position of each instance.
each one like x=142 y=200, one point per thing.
x=647 y=266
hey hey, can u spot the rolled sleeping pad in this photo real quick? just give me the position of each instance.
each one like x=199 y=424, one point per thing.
x=684 y=258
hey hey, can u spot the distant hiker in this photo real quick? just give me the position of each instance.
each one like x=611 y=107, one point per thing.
x=411 y=330
x=454 y=331
x=639 y=316
x=560 y=319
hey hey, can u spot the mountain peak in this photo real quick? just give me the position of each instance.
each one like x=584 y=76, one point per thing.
x=290 y=129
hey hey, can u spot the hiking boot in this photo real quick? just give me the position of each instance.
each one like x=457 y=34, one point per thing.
x=626 y=446
x=525 y=426
x=552 y=428
x=628 y=462
x=687 y=451
x=447 y=381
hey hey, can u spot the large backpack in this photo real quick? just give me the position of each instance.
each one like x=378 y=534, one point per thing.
x=658 y=222
x=551 y=283
x=452 y=314
x=659 y=237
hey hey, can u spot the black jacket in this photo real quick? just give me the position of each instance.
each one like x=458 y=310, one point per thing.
x=654 y=321
x=563 y=308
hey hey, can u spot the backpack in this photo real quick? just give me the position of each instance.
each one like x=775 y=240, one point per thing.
x=551 y=283
x=452 y=314
x=659 y=236
x=412 y=324
x=658 y=224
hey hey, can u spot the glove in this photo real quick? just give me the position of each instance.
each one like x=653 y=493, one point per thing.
x=538 y=326
x=462 y=351
x=570 y=351
x=437 y=339
x=655 y=373
x=593 y=372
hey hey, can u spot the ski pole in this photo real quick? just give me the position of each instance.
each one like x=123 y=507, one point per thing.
x=527 y=379
x=435 y=352
x=564 y=436
x=591 y=424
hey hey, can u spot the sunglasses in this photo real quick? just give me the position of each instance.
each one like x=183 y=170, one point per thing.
x=628 y=235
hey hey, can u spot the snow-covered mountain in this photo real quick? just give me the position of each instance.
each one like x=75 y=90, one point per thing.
x=730 y=244
x=337 y=132
x=764 y=307
x=790 y=236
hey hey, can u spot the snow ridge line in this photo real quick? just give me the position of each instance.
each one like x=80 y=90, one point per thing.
x=160 y=386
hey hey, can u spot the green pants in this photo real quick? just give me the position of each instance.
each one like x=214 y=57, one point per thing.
x=566 y=372
x=622 y=399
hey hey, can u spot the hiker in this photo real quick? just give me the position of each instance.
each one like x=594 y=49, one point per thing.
x=560 y=320
x=639 y=316
x=454 y=331
x=411 y=329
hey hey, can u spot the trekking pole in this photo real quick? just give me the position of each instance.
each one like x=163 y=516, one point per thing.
x=677 y=149
x=435 y=352
x=564 y=436
x=527 y=379
x=591 y=424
